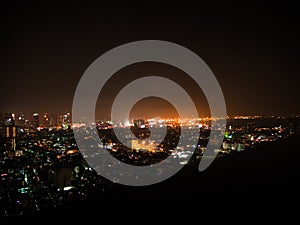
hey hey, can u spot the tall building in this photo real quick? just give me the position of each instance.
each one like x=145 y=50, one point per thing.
x=10 y=138
x=67 y=123
x=9 y=133
x=9 y=119
x=35 y=120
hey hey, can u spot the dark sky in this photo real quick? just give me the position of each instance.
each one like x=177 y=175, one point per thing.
x=253 y=49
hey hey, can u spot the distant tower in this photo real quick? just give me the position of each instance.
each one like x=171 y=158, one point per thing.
x=35 y=120
x=10 y=138
x=67 y=123
x=9 y=119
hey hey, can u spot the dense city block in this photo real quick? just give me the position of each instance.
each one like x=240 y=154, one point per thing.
x=42 y=167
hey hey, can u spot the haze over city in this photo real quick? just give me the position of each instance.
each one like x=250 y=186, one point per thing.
x=49 y=166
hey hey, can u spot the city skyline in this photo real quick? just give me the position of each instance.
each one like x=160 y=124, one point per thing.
x=44 y=169
x=251 y=49
x=65 y=154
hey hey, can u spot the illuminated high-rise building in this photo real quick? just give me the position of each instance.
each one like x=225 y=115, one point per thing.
x=67 y=120
x=9 y=119
x=35 y=120
x=10 y=138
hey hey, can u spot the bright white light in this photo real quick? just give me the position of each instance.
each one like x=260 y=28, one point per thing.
x=68 y=188
x=127 y=124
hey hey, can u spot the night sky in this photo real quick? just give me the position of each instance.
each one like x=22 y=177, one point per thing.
x=253 y=50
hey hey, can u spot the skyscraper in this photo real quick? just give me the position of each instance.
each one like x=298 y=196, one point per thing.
x=10 y=139
x=35 y=120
